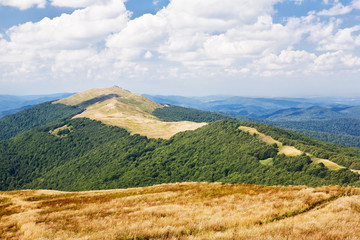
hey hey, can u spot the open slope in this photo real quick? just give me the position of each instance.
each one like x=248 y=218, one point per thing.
x=183 y=211
x=119 y=107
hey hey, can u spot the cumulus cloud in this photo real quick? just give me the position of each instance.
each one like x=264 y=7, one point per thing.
x=338 y=9
x=23 y=4
x=343 y=39
x=75 y=30
x=356 y=4
x=68 y=42
x=78 y=3
x=188 y=39
x=194 y=31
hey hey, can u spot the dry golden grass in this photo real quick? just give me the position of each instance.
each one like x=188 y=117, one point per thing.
x=261 y=136
x=115 y=113
x=292 y=151
x=184 y=211
x=57 y=130
x=143 y=103
x=330 y=165
x=287 y=150
x=129 y=111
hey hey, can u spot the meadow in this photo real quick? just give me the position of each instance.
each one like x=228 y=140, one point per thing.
x=183 y=211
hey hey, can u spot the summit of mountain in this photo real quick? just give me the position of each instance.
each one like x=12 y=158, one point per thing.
x=98 y=95
x=118 y=107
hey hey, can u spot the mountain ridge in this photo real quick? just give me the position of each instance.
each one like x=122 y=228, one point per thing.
x=118 y=107
x=83 y=152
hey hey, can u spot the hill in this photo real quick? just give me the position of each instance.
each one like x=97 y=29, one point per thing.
x=331 y=120
x=39 y=115
x=315 y=113
x=81 y=154
x=68 y=151
x=12 y=104
x=183 y=211
x=118 y=107
x=269 y=108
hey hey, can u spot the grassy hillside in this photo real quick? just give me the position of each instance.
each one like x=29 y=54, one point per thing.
x=183 y=211
x=82 y=154
x=118 y=107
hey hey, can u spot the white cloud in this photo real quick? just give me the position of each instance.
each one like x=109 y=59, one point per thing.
x=298 y=2
x=356 y=4
x=23 y=4
x=335 y=61
x=78 y=3
x=342 y=39
x=81 y=28
x=189 y=40
x=67 y=43
x=338 y=9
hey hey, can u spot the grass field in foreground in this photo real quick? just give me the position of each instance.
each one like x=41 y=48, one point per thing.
x=183 y=211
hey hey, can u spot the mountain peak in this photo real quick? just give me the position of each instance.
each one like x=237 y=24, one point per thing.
x=96 y=95
x=119 y=107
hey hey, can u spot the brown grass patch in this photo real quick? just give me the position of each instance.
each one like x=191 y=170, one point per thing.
x=180 y=211
x=129 y=111
x=290 y=151
x=330 y=165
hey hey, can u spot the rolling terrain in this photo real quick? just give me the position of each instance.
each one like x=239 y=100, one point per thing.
x=118 y=107
x=103 y=151
x=12 y=104
x=168 y=172
x=183 y=211
x=270 y=108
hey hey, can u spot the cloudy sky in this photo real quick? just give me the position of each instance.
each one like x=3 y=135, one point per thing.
x=183 y=47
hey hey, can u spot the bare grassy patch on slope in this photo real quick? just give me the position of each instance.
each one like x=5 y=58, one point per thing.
x=127 y=110
x=283 y=149
x=330 y=165
x=290 y=150
x=168 y=211
x=115 y=113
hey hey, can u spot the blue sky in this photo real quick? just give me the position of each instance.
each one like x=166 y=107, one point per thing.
x=290 y=48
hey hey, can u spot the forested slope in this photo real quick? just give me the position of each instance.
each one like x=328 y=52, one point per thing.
x=82 y=154
x=33 y=117
x=344 y=132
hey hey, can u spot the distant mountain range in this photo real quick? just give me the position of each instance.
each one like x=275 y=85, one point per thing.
x=335 y=120
x=11 y=104
x=270 y=108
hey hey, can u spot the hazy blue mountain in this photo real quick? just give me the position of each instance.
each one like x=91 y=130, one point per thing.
x=245 y=106
x=10 y=104
x=270 y=108
x=315 y=113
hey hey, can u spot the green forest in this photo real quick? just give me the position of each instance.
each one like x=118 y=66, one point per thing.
x=33 y=117
x=344 y=132
x=87 y=155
